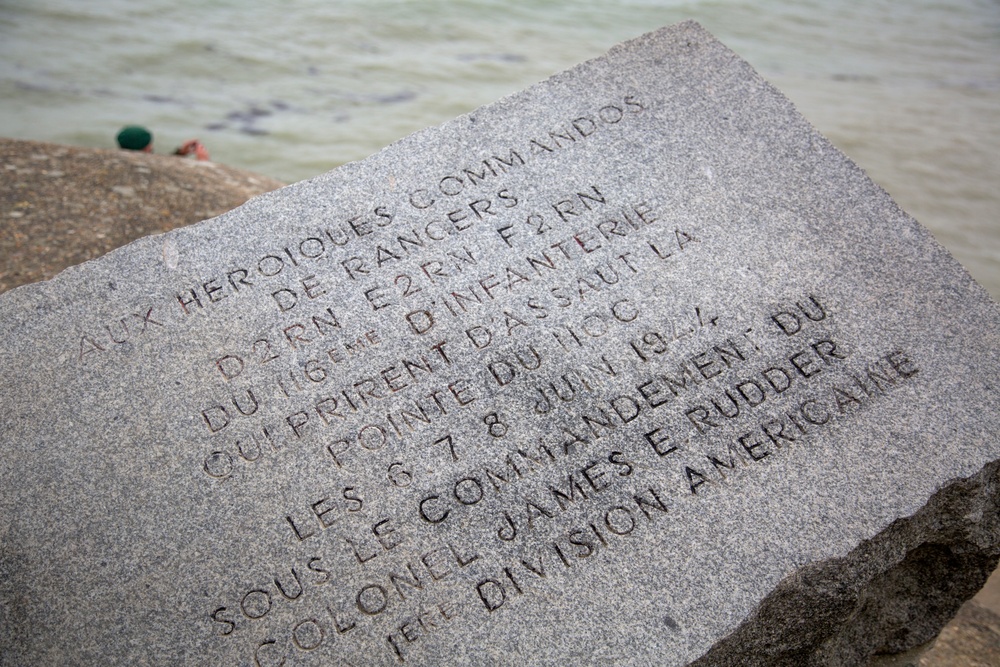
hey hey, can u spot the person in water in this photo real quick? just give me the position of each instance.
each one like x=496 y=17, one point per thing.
x=138 y=138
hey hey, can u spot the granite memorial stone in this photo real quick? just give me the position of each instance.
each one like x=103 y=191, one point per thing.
x=632 y=367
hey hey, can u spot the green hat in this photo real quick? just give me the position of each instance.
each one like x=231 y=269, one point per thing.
x=134 y=137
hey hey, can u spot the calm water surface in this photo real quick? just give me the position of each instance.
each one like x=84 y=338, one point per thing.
x=909 y=89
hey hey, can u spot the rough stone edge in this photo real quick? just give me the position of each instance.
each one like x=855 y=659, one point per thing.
x=893 y=592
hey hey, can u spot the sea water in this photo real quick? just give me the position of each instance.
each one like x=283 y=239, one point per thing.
x=910 y=89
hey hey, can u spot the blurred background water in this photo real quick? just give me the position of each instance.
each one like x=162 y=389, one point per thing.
x=910 y=89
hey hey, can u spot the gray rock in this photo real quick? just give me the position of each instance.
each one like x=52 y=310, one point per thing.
x=63 y=205
x=632 y=367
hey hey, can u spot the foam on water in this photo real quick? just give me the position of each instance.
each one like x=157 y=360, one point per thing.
x=911 y=90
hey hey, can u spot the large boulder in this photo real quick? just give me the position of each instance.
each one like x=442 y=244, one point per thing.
x=62 y=205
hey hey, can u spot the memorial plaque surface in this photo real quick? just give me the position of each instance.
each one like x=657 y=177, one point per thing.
x=587 y=376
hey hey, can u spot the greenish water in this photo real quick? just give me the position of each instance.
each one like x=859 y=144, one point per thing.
x=909 y=89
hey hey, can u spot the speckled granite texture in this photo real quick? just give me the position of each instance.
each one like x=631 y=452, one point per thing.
x=632 y=368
